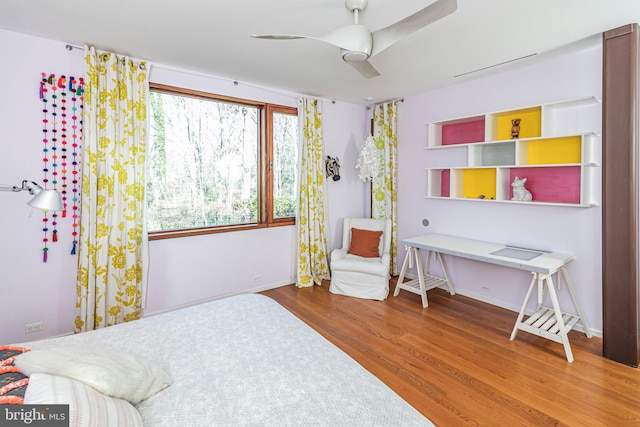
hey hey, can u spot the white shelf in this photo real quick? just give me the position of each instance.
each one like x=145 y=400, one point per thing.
x=431 y=282
x=568 y=117
x=545 y=324
x=558 y=153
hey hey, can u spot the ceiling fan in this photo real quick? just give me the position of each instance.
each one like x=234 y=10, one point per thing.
x=357 y=43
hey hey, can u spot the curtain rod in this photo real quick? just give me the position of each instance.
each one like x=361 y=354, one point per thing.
x=384 y=102
x=71 y=47
x=390 y=100
x=141 y=64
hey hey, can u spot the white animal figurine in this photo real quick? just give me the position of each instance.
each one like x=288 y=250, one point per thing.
x=519 y=192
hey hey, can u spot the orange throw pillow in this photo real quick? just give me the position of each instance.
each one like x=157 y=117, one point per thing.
x=365 y=243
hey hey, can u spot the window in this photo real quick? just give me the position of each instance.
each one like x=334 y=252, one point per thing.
x=217 y=163
x=283 y=137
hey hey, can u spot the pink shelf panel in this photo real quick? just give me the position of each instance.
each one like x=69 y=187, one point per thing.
x=550 y=184
x=445 y=183
x=463 y=132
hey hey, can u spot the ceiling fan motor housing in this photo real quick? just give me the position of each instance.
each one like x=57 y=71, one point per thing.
x=355 y=42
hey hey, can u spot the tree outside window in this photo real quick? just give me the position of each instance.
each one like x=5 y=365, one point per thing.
x=217 y=163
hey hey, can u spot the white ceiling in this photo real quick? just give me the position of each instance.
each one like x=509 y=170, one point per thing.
x=212 y=36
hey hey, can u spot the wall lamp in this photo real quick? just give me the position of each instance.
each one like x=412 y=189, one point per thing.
x=46 y=200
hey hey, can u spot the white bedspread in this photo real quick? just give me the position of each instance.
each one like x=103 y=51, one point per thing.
x=247 y=361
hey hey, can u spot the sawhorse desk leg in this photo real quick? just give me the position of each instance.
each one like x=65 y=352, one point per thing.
x=551 y=323
x=425 y=281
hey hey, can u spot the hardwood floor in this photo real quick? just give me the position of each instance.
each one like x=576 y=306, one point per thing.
x=454 y=362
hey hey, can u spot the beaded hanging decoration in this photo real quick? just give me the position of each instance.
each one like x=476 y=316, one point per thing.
x=53 y=94
x=77 y=104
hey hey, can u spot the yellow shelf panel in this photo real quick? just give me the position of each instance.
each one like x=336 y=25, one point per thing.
x=554 y=150
x=530 y=123
x=477 y=182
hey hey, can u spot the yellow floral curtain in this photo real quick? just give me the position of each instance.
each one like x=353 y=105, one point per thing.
x=112 y=243
x=312 y=265
x=384 y=185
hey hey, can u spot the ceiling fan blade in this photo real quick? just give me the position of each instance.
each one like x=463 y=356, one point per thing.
x=353 y=37
x=365 y=68
x=385 y=37
x=277 y=36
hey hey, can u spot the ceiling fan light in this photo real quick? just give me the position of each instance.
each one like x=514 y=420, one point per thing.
x=353 y=56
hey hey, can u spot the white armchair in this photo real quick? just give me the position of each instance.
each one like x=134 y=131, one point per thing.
x=362 y=276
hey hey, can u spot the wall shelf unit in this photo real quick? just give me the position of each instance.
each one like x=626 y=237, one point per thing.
x=556 y=150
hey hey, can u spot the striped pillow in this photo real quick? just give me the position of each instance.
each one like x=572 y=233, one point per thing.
x=13 y=383
x=87 y=407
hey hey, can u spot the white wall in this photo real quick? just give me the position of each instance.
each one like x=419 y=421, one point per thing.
x=30 y=290
x=182 y=271
x=348 y=197
x=571 y=230
x=186 y=270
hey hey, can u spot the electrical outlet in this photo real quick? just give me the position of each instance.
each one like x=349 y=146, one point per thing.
x=257 y=278
x=33 y=327
x=486 y=289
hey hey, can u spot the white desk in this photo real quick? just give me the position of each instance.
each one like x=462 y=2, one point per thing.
x=549 y=323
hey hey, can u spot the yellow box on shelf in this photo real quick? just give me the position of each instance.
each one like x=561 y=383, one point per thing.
x=554 y=150
x=479 y=182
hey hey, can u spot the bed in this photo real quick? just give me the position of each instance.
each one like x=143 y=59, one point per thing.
x=241 y=361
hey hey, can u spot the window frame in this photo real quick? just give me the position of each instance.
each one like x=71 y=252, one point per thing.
x=265 y=158
x=268 y=164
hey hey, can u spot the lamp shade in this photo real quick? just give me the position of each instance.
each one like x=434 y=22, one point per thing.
x=47 y=200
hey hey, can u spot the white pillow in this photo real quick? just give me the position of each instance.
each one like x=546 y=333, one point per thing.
x=114 y=374
x=87 y=407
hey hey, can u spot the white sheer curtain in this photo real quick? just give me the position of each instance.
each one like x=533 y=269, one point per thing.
x=312 y=264
x=112 y=244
